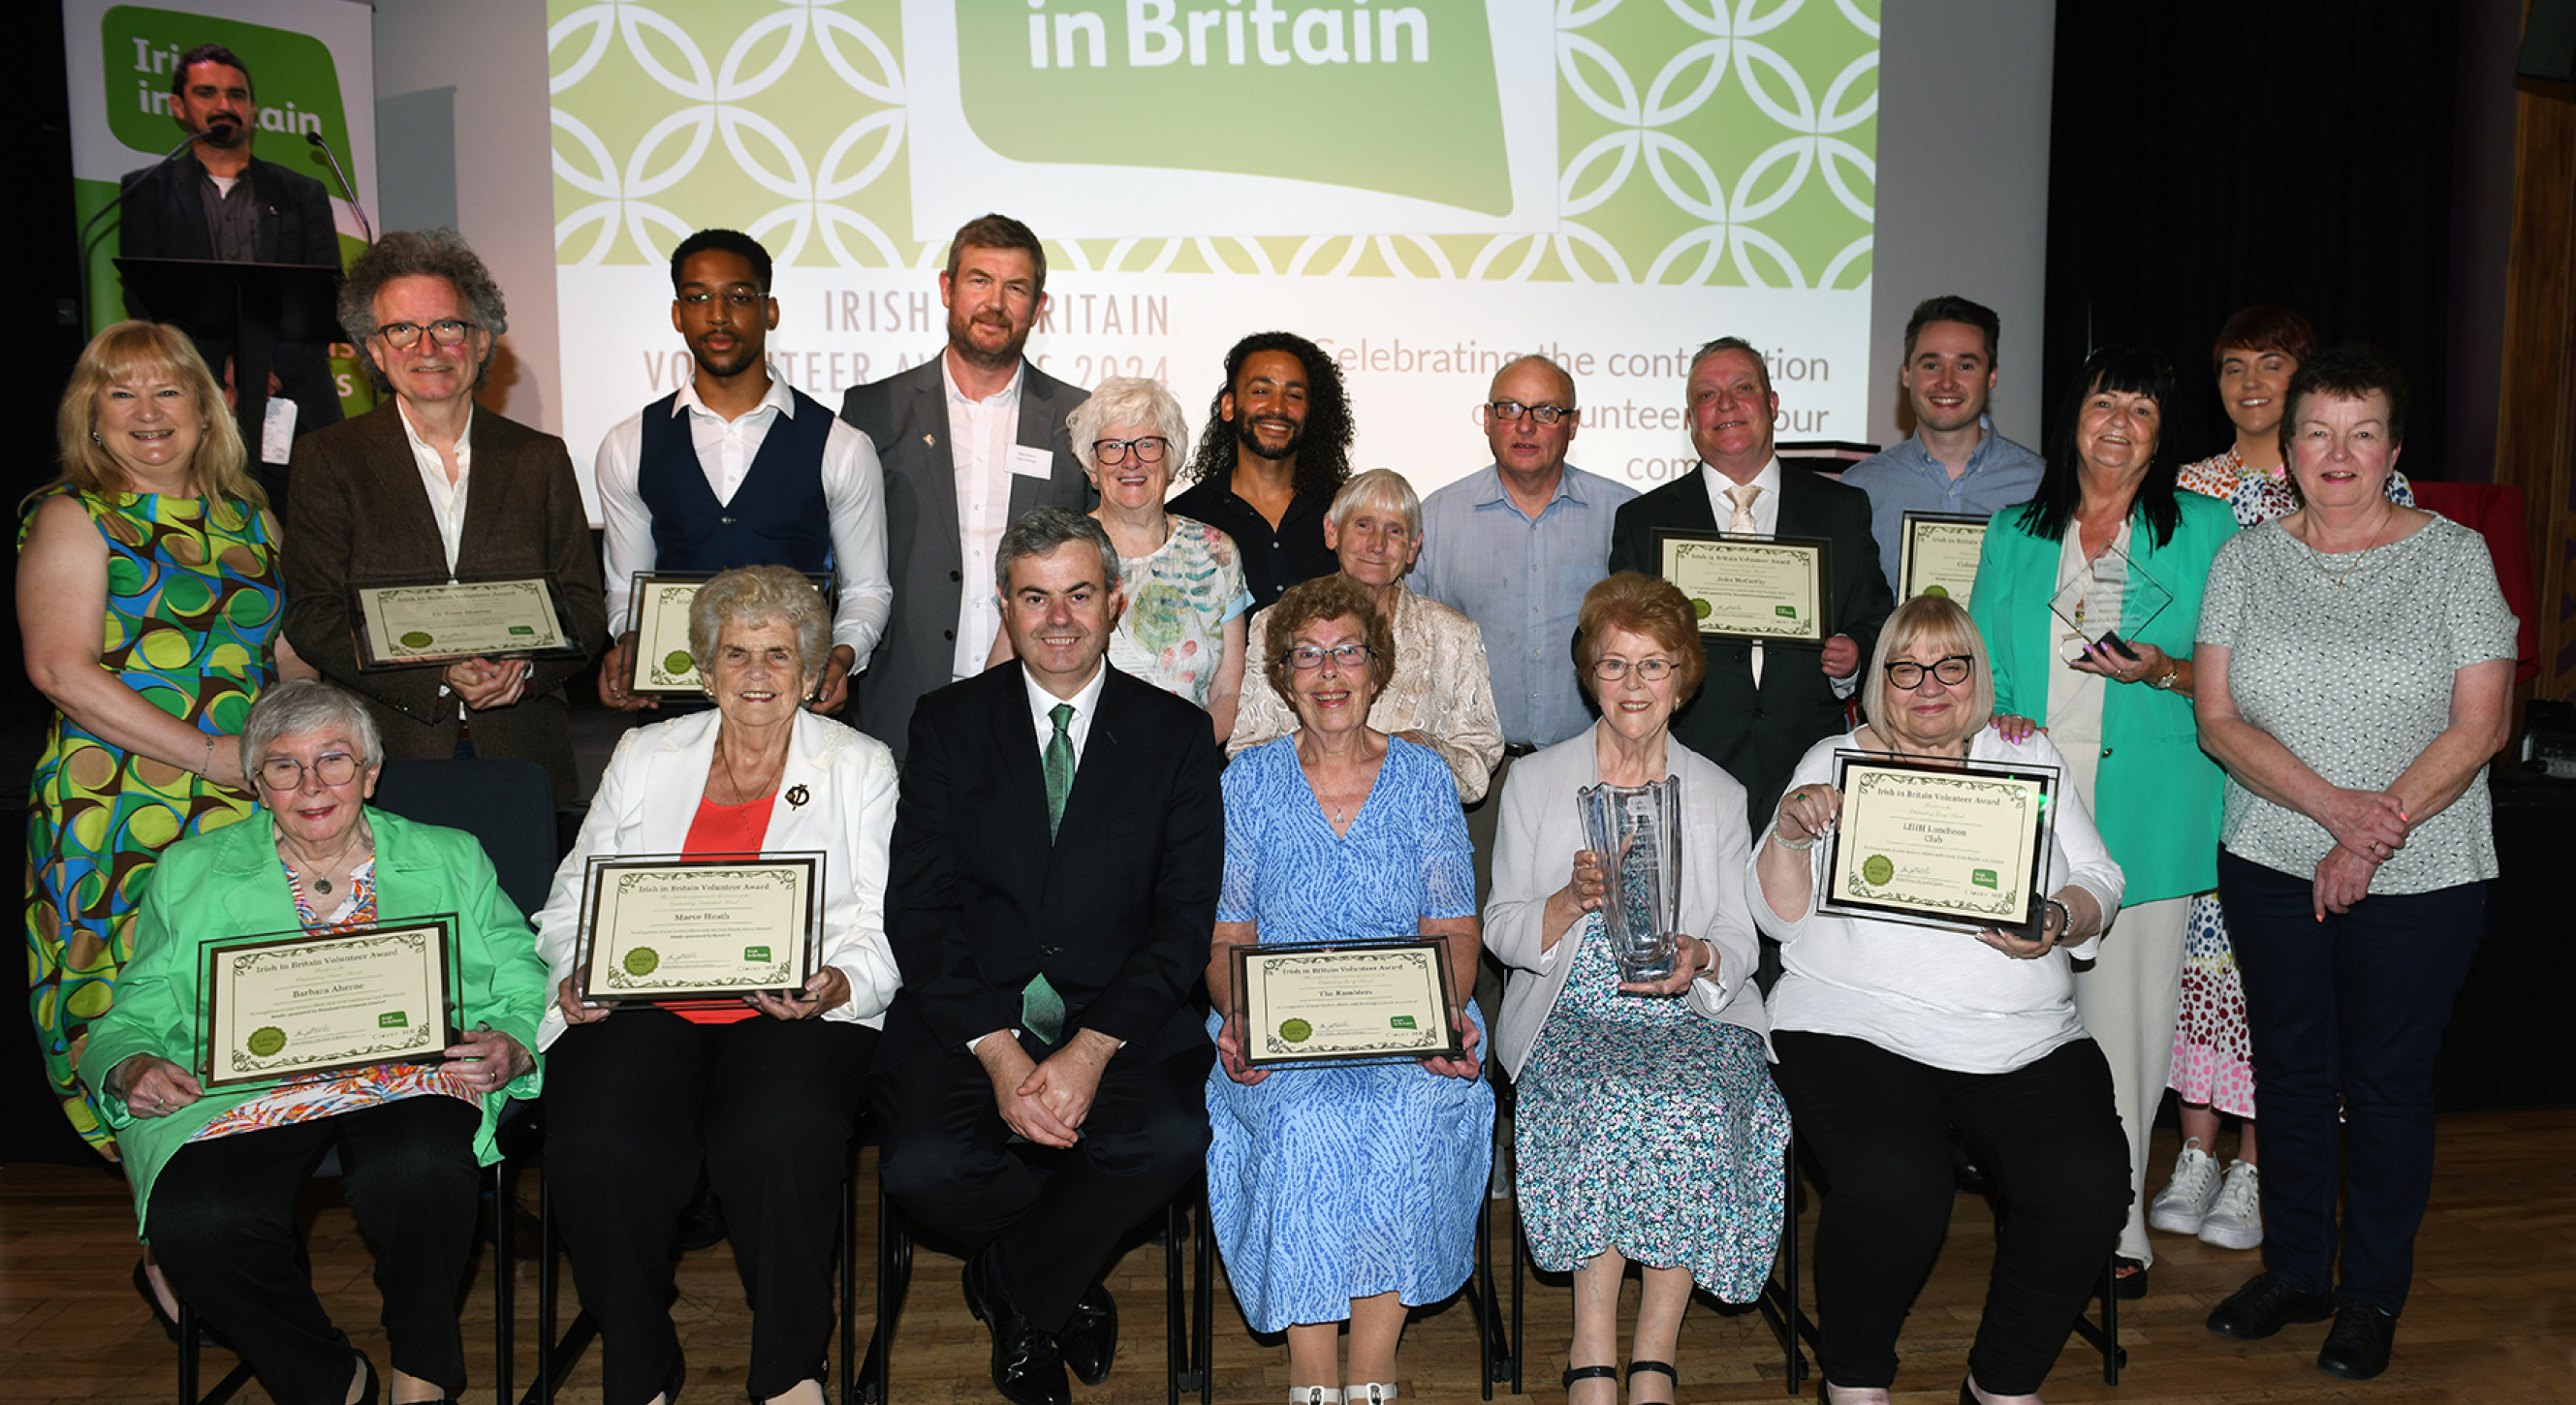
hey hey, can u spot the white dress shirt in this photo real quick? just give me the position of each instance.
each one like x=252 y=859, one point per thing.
x=853 y=493
x=1766 y=522
x=980 y=436
x=446 y=500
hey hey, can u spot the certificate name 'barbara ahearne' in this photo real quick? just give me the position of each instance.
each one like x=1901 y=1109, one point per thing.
x=293 y=1004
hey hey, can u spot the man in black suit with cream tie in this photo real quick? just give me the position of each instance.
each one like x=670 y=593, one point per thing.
x=1056 y=856
x=1761 y=707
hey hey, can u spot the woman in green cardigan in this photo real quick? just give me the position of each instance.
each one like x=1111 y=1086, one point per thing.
x=2110 y=547
x=217 y=1173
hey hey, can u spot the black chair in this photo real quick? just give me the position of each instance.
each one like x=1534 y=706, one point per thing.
x=1186 y=1342
x=509 y=807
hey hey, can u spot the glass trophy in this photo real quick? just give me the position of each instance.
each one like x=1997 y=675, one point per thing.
x=1637 y=831
x=2111 y=597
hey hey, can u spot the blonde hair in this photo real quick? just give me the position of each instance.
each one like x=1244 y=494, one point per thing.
x=129 y=351
x=1946 y=623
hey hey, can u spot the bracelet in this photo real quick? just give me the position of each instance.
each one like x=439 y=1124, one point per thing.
x=2066 y=926
x=207 y=767
x=1782 y=840
x=2165 y=684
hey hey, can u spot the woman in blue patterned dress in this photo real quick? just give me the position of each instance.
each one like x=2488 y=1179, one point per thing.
x=1343 y=1192
x=1647 y=1127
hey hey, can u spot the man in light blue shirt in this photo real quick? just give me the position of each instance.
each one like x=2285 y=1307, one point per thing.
x=1956 y=462
x=1514 y=545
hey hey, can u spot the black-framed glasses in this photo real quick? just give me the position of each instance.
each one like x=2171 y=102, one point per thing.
x=739 y=299
x=285 y=773
x=403 y=336
x=1311 y=656
x=1905 y=674
x=1653 y=670
x=1513 y=409
x=1148 y=449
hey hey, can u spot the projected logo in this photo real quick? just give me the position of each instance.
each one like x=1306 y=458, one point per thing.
x=297 y=85
x=1619 y=141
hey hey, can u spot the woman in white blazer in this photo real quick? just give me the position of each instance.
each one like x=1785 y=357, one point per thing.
x=763 y=1091
x=1647 y=1126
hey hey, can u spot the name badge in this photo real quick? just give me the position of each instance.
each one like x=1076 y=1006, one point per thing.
x=1032 y=463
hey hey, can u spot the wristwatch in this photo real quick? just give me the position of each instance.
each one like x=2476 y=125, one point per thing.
x=2165 y=684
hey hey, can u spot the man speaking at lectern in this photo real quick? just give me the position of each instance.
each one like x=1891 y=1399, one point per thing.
x=217 y=201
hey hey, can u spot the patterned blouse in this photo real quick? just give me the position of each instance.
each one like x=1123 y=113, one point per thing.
x=1178 y=602
x=2260 y=496
x=330 y=1094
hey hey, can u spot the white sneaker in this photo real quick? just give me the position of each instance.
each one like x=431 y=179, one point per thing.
x=2235 y=1218
x=2184 y=1202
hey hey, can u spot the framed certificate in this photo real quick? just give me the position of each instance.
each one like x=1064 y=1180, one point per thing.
x=1344 y=1001
x=1937 y=555
x=679 y=928
x=1771 y=590
x=404 y=623
x=1961 y=845
x=293 y=1004
x=658 y=608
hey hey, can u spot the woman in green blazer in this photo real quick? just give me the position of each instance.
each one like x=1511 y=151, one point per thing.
x=217 y=1174
x=2108 y=511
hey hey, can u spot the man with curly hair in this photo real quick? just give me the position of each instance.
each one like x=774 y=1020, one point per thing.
x=1276 y=449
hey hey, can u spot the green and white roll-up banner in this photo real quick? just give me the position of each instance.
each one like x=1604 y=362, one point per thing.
x=312 y=68
x=1428 y=188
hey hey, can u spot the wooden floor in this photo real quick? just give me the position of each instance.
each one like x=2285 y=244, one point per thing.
x=2493 y=1316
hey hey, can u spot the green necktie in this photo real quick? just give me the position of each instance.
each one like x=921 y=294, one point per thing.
x=1041 y=1009
x=1059 y=767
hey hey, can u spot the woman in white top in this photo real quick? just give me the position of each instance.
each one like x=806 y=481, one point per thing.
x=1889 y=1034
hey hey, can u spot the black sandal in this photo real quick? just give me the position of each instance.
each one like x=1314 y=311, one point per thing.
x=1664 y=1368
x=1587 y=1373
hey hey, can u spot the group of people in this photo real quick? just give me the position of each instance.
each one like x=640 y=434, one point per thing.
x=1285 y=704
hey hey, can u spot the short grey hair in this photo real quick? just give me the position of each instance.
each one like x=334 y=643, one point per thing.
x=756 y=595
x=305 y=705
x=1039 y=531
x=435 y=253
x=1130 y=400
x=1380 y=488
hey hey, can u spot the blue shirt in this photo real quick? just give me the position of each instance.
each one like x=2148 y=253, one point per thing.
x=1522 y=582
x=1907 y=479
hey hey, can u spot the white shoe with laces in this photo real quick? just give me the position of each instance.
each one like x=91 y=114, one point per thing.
x=2184 y=1202
x=2235 y=1218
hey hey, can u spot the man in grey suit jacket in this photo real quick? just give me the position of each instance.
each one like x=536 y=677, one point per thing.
x=981 y=403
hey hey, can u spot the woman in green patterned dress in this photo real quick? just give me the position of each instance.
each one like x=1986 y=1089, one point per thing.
x=147 y=597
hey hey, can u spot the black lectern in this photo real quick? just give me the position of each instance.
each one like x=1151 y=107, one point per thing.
x=253 y=305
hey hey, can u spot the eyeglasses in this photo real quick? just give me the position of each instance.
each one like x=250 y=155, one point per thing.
x=1147 y=450
x=1513 y=409
x=739 y=299
x=1952 y=671
x=403 y=336
x=1653 y=670
x=283 y=773
x=1311 y=656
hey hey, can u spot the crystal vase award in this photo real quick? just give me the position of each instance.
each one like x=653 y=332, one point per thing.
x=1637 y=830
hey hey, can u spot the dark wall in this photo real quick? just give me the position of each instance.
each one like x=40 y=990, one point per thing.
x=2205 y=158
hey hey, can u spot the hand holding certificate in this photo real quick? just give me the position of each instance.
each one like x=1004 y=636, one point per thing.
x=675 y=929
x=1361 y=1002
x=1959 y=844
x=296 y=1004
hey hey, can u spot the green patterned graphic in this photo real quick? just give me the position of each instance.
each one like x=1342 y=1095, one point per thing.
x=1707 y=144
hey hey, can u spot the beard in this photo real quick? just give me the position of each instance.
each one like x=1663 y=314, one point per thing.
x=744 y=356
x=961 y=341
x=1251 y=444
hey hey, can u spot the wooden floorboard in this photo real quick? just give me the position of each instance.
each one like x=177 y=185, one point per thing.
x=2493 y=1316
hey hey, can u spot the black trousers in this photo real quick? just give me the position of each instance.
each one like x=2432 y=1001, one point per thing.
x=1054 y=1218
x=222 y=1223
x=635 y=1105
x=1879 y=1126
x=2347 y=1018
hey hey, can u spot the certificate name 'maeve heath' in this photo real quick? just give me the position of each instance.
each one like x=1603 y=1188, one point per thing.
x=661 y=932
x=1956 y=845
x=284 y=1007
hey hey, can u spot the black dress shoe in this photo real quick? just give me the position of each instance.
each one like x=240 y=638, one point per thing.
x=1027 y=1367
x=2264 y=1306
x=1090 y=1336
x=2357 y=1345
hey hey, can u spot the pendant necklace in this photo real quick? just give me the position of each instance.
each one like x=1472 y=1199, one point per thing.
x=740 y=795
x=2369 y=547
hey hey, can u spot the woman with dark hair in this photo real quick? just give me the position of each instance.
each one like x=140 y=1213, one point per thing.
x=2358 y=662
x=2256 y=354
x=429 y=487
x=2086 y=597
x=1647 y=1128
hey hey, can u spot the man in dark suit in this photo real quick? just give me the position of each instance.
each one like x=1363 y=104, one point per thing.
x=1762 y=705
x=981 y=407
x=222 y=203
x=429 y=487
x=1056 y=856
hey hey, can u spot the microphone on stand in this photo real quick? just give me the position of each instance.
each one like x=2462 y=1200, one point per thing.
x=214 y=133
x=351 y=191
